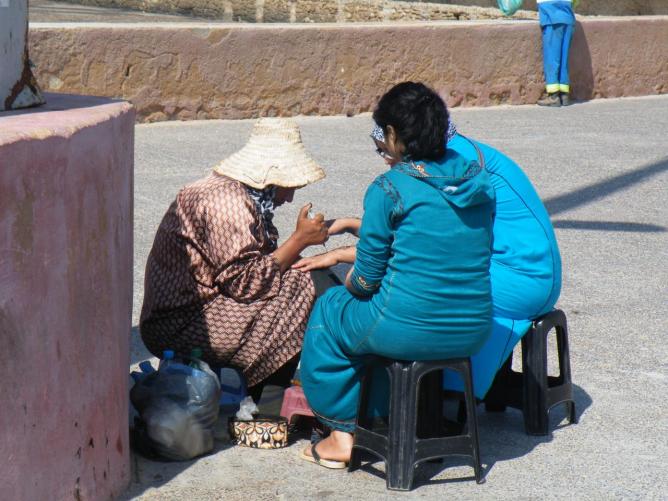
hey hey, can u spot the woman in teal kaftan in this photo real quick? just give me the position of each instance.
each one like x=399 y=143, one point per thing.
x=526 y=264
x=419 y=288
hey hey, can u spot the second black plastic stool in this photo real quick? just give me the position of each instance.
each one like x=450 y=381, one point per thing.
x=532 y=390
x=413 y=386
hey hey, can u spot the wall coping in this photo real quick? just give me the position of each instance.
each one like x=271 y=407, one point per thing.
x=74 y=113
x=330 y=26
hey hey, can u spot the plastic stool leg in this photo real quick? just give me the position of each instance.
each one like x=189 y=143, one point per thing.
x=572 y=415
x=363 y=420
x=400 y=464
x=430 y=409
x=534 y=362
x=461 y=411
x=472 y=420
x=565 y=362
x=355 y=459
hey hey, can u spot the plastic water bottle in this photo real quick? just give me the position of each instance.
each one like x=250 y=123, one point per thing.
x=167 y=359
x=146 y=367
x=195 y=356
x=233 y=390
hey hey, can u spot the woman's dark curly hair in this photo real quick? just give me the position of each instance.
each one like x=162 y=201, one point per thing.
x=418 y=115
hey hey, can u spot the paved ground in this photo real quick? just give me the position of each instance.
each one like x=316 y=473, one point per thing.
x=602 y=169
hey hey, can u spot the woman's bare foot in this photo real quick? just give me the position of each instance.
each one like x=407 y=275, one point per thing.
x=337 y=446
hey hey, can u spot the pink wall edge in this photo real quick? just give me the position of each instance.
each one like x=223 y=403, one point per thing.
x=66 y=179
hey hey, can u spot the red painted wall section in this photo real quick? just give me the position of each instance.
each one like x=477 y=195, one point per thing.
x=65 y=298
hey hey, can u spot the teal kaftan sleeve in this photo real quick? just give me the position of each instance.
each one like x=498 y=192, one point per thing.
x=382 y=208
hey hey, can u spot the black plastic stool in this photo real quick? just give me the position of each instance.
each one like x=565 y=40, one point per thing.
x=532 y=390
x=415 y=389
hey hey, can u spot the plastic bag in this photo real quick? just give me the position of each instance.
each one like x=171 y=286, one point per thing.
x=178 y=410
x=246 y=409
x=509 y=7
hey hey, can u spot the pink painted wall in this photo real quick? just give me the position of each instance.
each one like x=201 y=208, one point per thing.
x=65 y=298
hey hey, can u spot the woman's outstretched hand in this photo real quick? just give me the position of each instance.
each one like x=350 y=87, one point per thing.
x=316 y=262
x=343 y=225
x=326 y=260
x=311 y=231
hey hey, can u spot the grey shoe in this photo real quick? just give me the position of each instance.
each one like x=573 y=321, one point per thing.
x=565 y=99
x=550 y=100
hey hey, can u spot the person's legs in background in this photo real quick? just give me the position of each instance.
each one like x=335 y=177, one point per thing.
x=564 y=78
x=552 y=49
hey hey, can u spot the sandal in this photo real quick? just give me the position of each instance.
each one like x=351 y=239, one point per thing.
x=327 y=463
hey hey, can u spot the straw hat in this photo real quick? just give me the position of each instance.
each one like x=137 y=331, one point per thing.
x=274 y=155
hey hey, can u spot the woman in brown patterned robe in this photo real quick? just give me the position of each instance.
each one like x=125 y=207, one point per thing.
x=215 y=277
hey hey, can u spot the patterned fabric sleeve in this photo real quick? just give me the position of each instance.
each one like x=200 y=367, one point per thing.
x=232 y=239
x=382 y=205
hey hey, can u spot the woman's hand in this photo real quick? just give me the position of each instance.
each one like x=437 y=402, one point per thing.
x=310 y=231
x=316 y=262
x=331 y=258
x=343 y=225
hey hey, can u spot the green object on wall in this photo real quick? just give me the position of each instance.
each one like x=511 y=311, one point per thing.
x=509 y=7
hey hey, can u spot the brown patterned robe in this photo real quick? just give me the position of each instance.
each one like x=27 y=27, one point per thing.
x=212 y=283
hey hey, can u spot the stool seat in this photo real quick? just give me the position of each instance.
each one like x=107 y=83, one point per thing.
x=295 y=404
x=415 y=392
x=532 y=390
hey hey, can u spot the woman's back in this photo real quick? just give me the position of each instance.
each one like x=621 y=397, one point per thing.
x=526 y=265
x=436 y=221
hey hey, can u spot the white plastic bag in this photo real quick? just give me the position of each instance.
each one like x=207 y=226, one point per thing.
x=246 y=409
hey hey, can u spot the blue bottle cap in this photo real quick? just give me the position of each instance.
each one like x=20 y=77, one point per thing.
x=168 y=355
x=146 y=367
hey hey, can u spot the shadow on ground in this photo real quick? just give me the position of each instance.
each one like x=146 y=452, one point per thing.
x=141 y=467
x=502 y=438
x=602 y=189
x=566 y=224
x=139 y=352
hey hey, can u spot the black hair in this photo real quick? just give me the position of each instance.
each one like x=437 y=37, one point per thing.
x=419 y=117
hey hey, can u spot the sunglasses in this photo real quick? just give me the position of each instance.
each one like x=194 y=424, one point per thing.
x=384 y=154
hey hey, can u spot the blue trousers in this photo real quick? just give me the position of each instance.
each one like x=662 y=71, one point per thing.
x=556 y=44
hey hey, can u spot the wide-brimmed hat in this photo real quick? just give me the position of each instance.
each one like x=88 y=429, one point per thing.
x=274 y=155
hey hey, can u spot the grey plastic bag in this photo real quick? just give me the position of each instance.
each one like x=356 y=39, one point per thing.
x=178 y=410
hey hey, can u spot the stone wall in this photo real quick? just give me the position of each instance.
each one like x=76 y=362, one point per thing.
x=311 y=11
x=65 y=299
x=368 y=10
x=589 y=7
x=200 y=71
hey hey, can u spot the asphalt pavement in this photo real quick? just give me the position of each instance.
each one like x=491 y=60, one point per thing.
x=602 y=170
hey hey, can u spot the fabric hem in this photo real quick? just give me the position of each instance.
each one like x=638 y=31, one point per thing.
x=347 y=426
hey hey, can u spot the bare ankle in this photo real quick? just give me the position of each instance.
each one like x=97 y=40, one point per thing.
x=342 y=439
